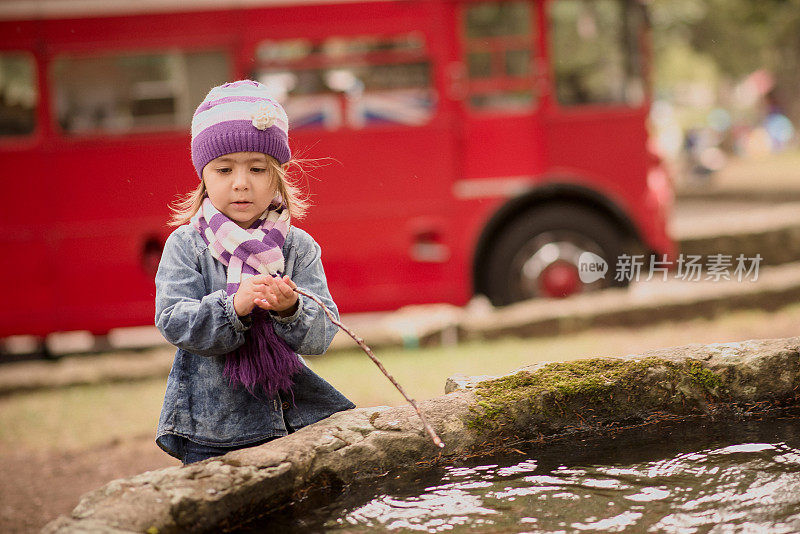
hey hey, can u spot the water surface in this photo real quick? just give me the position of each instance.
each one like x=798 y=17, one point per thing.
x=699 y=476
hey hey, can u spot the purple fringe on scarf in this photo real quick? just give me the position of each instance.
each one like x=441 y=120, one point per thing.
x=265 y=359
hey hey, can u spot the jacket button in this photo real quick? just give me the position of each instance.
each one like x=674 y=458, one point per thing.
x=285 y=405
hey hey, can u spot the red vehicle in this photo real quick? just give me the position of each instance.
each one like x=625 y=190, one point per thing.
x=481 y=146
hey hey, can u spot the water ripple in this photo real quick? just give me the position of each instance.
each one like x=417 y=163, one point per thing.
x=738 y=486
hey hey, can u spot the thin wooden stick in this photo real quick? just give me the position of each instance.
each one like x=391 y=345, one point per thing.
x=372 y=356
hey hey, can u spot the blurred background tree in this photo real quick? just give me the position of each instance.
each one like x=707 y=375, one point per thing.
x=721 y=41
x=726 y=74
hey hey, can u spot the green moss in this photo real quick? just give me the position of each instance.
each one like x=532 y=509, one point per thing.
x=706 y=378
x=491 y=410
x=593 y=381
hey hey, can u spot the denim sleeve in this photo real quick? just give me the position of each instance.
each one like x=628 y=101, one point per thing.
x=188 y=318
x=308 y=330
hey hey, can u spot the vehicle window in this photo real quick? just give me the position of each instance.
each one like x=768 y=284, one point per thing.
x=354 y=81
x=499 y=49
x=18 y=94
x=596 y=55
x=133 y=92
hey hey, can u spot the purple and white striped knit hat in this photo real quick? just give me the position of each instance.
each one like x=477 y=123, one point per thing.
x=239 y=117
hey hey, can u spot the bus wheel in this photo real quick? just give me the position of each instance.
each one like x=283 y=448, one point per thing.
x=537 y=254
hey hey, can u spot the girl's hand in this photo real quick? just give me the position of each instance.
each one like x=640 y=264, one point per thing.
x=266 y=292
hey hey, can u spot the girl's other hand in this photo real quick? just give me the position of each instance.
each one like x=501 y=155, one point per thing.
x=268 y=293
x=279 y=296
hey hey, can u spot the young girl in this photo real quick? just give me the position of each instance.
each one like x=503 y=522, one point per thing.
x=224 y=289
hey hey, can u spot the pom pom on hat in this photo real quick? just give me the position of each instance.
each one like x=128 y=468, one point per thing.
x=239 y=117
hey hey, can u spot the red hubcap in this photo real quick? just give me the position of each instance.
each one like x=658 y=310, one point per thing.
x=560 y=279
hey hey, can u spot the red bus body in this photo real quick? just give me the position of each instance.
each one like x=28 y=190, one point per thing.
x=404 y=216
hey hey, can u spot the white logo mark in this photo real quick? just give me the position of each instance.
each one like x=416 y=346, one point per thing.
x=591 y=267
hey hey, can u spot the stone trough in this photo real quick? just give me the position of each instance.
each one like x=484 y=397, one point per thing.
x=474 y=416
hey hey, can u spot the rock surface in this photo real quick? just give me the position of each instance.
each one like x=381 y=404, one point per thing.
x=475 y=413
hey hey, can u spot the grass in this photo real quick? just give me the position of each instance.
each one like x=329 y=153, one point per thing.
x=80 y=417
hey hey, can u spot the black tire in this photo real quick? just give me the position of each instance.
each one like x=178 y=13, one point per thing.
x=518 y=242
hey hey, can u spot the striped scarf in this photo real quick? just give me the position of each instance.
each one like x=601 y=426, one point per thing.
x=265 y=359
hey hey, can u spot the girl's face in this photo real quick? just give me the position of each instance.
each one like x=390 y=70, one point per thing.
x=240 y=185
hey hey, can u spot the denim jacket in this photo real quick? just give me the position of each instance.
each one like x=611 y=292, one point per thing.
x=195 y=314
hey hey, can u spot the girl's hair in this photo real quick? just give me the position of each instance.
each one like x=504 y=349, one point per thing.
x=187 y=205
